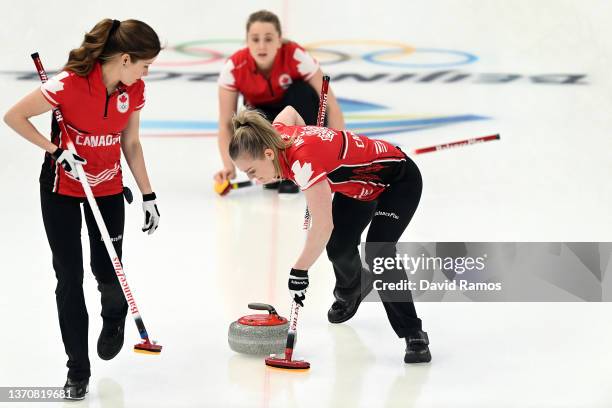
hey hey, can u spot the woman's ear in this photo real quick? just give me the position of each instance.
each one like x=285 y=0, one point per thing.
x=269 y=154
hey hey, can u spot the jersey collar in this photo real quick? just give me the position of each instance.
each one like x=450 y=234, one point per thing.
x=96 y=77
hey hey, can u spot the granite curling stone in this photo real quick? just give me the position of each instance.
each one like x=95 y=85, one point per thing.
x=259 y=334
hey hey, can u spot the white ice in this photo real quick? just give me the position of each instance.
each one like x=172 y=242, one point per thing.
x=547 y=179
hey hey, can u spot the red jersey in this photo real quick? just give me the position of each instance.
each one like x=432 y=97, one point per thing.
x=353 y=165
x=95 y=121
x=291 y=63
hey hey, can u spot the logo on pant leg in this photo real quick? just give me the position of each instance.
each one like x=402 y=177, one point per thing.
x=387 y=214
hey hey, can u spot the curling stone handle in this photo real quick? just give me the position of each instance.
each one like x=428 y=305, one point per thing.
x=262 y=306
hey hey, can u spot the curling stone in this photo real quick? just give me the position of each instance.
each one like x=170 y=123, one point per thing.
x=259 y=334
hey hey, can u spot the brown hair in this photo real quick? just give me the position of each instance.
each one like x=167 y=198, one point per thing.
x=252 y=134
x=109 y=38
x=264 y=16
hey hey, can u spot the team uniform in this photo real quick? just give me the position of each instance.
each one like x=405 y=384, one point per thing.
x=375 y=183
x=285 y=85
x=95 y=121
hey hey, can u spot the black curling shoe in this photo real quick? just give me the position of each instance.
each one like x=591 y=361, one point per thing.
x=343 y=309
x=288 y=187
x=271 y=186
x=110 y=341
x=76 y=390
x=417 y=348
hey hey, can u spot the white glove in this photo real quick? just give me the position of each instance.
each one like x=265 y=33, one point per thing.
x=68 y=161
x=298 y=284
x=149 y=206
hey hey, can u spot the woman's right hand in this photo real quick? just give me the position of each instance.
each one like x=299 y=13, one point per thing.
x=227 y=173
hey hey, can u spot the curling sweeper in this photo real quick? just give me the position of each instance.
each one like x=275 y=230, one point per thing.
x=287 y=362
x=146 y=346
x=259 y=334
x=225 y=187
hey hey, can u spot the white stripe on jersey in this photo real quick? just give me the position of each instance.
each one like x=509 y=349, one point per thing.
x=380 y=147
x=103 y=176
x=358 y=181
x=345 y=143
x=48 y=96
x=364 y=193
x=314 y=180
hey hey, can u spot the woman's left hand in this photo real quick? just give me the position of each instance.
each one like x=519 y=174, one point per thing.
x=149 y=206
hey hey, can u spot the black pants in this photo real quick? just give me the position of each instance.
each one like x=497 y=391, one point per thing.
x=302 y=97
x=389 y=216
x=62 y=219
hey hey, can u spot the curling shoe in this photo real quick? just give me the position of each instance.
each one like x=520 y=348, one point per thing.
x=417 y=348
x=111 y=339
x=271 y=186
x=288 y=187
x=76 y=390
x=344 y=309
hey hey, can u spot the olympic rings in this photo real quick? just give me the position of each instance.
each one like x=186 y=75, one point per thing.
x=342 y=56
x=467 y=58
x=327 y=56
x=183 y=47
x=214 y=56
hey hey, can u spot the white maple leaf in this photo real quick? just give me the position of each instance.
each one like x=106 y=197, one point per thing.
x=226 y=77
x=301 y=173
x=55 y=84
x=306 y=64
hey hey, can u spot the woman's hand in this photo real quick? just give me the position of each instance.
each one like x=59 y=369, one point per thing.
x=227 y=173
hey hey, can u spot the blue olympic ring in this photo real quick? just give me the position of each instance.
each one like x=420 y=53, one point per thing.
x=466 y=58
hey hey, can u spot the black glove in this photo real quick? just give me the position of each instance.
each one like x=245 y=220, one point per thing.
x=298 y=283
x=68 y=161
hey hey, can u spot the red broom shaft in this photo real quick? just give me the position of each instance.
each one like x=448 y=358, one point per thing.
x=459 y=143
x=320 y=122
x=323 y=101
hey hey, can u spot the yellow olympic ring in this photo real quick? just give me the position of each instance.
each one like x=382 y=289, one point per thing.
x=404 y=49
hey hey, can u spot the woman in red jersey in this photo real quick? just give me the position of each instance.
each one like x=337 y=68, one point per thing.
x=270 y=73
x=100 y=93
x=375 y=183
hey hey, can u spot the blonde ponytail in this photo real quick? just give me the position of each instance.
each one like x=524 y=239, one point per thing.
x=252 y=134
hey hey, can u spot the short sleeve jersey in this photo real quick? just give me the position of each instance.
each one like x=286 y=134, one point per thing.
x=353 y=165
x=94 y=121
x=291 y=63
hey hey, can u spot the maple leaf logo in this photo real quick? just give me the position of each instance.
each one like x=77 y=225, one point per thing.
x=325 y=134
x=55 y=84
x=123 y=103
x=301 y=173
x=306 y=64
